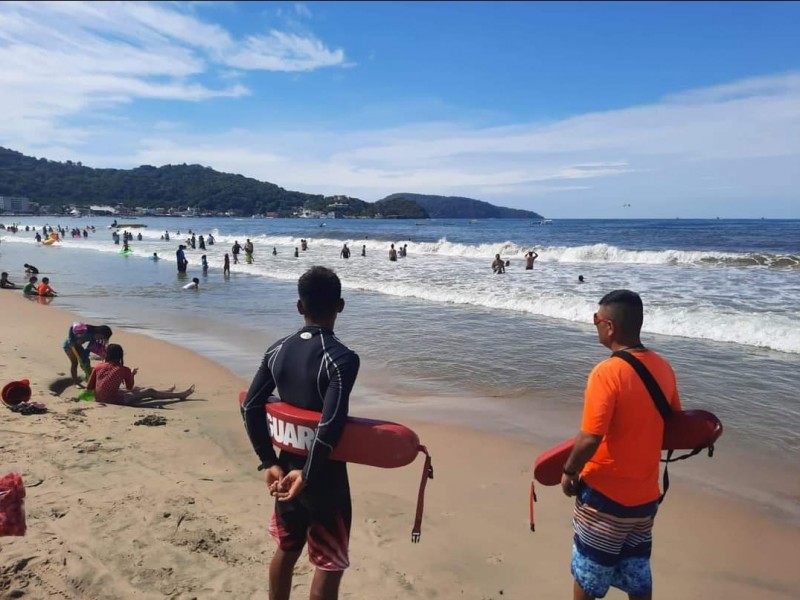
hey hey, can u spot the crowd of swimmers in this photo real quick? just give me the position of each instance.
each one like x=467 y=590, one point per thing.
x=195 y=241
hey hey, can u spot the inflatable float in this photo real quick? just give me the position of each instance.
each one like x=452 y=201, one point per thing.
x=367 y=442
x=52 y=239
x=12 y=505
x=693 y=430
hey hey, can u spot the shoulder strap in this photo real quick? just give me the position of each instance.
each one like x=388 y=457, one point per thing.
x=658 y=398
x=649 y=381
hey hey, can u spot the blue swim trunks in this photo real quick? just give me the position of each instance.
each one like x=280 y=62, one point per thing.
x=612 y=544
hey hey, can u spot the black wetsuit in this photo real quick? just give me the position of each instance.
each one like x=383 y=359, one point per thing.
x=312 y=369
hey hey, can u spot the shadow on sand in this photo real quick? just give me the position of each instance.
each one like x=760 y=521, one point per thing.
x=57 y=386
x=160 y=403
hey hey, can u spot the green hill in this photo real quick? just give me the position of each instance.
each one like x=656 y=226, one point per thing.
x=456 y=207
x=172 y=186
x=61 y=185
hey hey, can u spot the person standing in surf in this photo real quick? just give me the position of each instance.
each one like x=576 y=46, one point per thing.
x=529 y=258
x=613 y=468
x=248 y=251
x=313 y=370
x=235 y=249
x=180 y=257
x=498 y=265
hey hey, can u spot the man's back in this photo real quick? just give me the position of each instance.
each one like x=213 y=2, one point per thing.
x=306 y=363
x=618 y=406
x=314 y=370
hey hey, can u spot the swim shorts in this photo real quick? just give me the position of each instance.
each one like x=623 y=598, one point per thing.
x=612 y=544
x=322 y=521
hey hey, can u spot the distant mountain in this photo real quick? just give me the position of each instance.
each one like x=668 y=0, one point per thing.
x=172 y=186
x=456 y=207
x=61 y=185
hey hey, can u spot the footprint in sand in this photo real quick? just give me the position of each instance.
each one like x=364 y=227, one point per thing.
x=375 y=532
x=495 y=559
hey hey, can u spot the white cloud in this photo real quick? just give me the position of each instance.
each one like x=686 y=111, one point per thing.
x=736 y=145
x=754 y=86
x=659 y=158
x=279 y=51
x=665 y=159
x=60 y=60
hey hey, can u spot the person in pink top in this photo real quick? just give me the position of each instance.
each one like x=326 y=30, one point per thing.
x=108 y=376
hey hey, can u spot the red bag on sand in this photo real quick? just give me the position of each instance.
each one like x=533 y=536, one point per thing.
x=12 y=510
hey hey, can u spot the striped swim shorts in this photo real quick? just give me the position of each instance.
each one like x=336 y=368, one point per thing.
x=612 y=544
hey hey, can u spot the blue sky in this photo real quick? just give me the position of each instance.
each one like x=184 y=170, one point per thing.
x=568 y=109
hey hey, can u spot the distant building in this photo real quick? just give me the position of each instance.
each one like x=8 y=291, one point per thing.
x=102 y=210
x=15 y=204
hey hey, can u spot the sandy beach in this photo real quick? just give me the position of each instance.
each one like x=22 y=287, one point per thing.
x=116 y=510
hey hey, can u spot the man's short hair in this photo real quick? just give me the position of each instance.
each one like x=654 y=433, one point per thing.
x=320 y=290
x=625 y=310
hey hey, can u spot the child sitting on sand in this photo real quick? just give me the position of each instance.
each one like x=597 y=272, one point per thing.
x=45 y=289
x=30 y=288
x=107 y=377
x=5 y=283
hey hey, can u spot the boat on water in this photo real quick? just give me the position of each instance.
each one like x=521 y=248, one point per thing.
x=545 y=222
x=116 y=225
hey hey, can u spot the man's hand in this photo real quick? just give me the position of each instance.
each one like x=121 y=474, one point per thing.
x=272 y=477
x=569 y=484
x=290 y=486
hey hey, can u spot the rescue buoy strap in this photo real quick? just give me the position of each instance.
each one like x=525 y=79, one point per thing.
x=427 y=473
x=649 y=381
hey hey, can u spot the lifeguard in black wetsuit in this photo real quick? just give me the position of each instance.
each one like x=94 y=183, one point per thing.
x=311 y=369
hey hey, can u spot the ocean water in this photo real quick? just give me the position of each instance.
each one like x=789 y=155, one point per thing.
x=443 y=338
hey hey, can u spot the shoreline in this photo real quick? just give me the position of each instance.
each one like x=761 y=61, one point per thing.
x=116 y=510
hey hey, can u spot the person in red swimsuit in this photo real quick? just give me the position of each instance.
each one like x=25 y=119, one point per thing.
x=108 y=376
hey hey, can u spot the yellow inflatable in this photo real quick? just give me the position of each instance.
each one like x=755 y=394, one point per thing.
x=51 y=240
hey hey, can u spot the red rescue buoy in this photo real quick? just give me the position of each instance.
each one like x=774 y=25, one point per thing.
x=693 y=430
x=368 y=442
